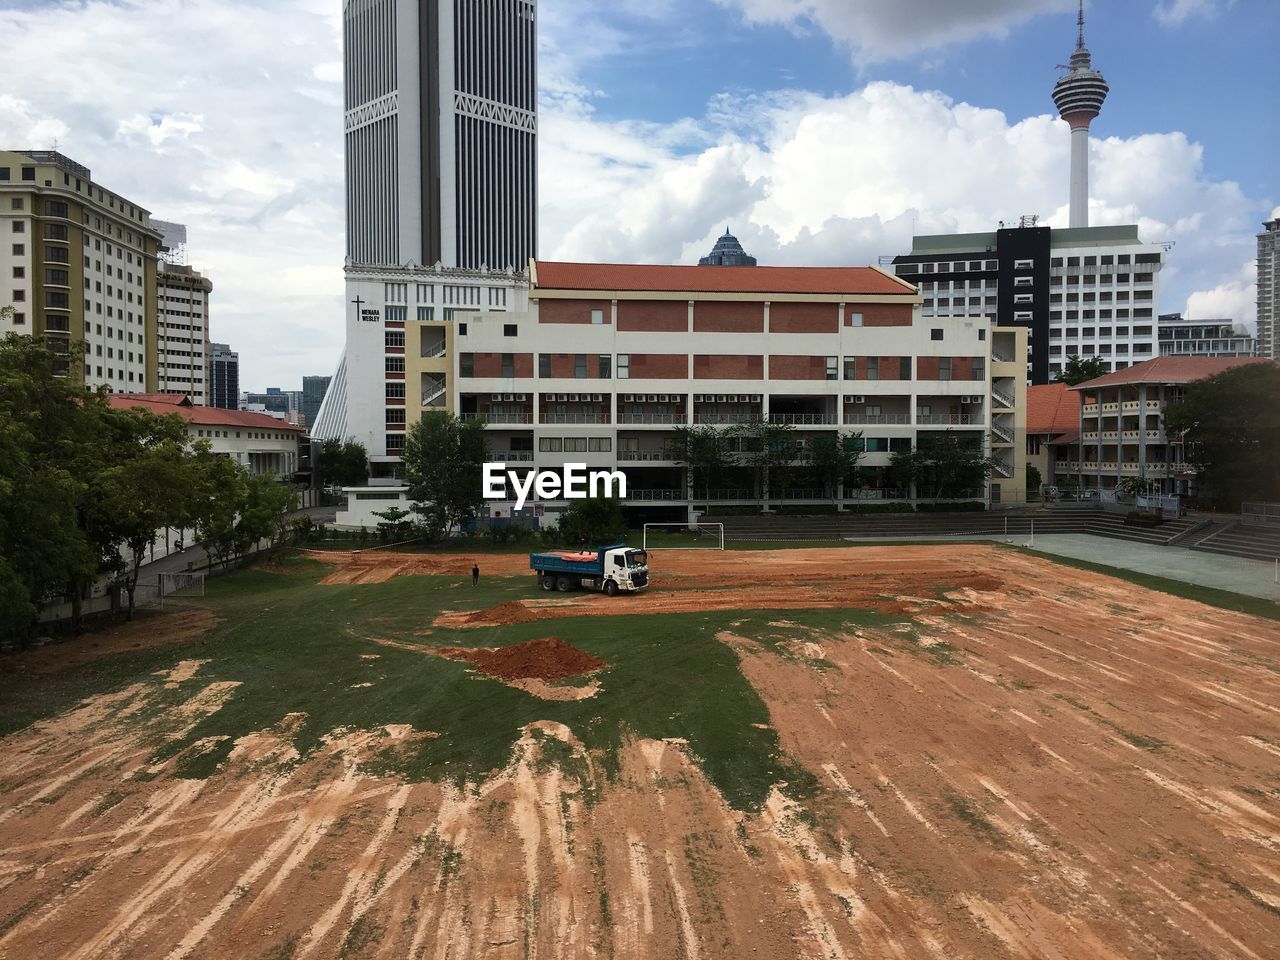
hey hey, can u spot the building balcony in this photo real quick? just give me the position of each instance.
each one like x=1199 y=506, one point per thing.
x=511 y=456
x=726 y=418
x=643 y=456
x=804 y=419
x=651 y=419
x=952 y=420
x=497 y=418
x=878 y=420
x=573 y=418
x=1089 y=408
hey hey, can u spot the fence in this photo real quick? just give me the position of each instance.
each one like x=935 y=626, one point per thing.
x=1260 y=514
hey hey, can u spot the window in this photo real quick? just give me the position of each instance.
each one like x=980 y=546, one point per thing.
x=873 y=409
x=394 y=365
x=55 y=208
x=605 y=362
x=19 y=249
x=1022 y=281
x=462 y=329
x=1023 y=264
x=395 y=314
x=19 y=272
x=19 y=296
x=466 y=364
x=904 y=372
x=597 y=316
x=508 y=364
x=982 y=334
x=19 y=226
x=426 y=313
x=833 y=368
x=395 y=417
x=395 y=339
x=395 y=391
x=624 y=366
x=944 y=368
x=873 y=368
x=395 y=442
x=509 y=329
x=28 y=173
x=850 y=369
x=544 y=365
x=935 y=333
x=19 y=318
x=855 y=319
x=4 y=173
x=979 y=369
x=600 y=444
x=580 y=366
x=550 y=444
x=575 y=444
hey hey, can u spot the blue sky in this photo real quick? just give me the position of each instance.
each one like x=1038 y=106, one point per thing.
x=822 y=131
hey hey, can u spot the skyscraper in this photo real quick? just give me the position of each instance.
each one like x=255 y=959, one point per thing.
x=313 y=390
x=441 y=132
x=1079 y=96
x=1269 y=290
x=224 y=377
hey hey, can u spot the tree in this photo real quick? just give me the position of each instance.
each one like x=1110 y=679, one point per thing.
x=395 y=524
x=443 y=466
x=943 y=466
x=1079 y=369
x=221 y=496
x=1034 y=479
x=834 y=458
x=705 y=452
x=1231 y=429
x=343 y=463
x=769 y=449
x=149 y=483
x=595 y=521
x=48 y=450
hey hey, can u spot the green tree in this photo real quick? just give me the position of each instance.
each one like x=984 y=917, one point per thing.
x=943 y=466
x=706 y=452
x=1231 y=429
x=833 y=459
x=221 y=496
x=342 y=463
x=148 y=484
x=395 y=524
x=1033 y=481
x=48 y=450
x=769 y=450
x=595 y=521
x=1080 y=369
x=443 y=466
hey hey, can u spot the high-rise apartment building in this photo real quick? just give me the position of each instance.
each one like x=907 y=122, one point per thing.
x=1203 y=338
x=181 y=344
x=1079 y=292
x=441 y=132
x=78 y=267
x=313 y=391
x=224 y=377
x=1269 y=290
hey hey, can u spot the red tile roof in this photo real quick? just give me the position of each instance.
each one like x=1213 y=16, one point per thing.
x=1051 y=408
x=867 y=281
x=163 y=403
x=1169 y=370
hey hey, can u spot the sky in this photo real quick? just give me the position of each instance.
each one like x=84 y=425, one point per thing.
x=819 y=131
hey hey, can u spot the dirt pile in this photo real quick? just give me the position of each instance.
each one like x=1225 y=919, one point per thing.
x=504 y=614
x=548 y=658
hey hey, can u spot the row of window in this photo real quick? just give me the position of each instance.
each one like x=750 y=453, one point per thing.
x=575 y=444
x=29 y=175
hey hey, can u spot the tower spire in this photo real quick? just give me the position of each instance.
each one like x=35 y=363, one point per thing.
x=1080 y=25
x=1079 y=95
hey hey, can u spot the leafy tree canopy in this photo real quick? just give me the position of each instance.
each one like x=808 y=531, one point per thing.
x=443 y=465
x=1079 y=369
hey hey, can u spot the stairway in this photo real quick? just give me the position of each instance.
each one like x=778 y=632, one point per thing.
x=1240 y=540
x=1112 y=525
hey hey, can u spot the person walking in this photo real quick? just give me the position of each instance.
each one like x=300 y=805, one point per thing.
x=475 y=575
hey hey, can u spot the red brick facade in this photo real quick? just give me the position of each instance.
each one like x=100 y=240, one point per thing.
x=571 y=311
x=659 y=366
x=879 y=314
x=723 y=367
x=657 y=316
x=711 y=316
x=798 y=368
x=804 y=318
x=887 y=368
x=490 y=364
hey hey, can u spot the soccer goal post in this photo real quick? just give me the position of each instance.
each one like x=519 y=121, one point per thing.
x=684 y=536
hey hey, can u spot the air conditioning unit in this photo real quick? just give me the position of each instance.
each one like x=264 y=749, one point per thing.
x=721 y=398
x=508 y=397
x=858 y=399
x=653 y=398
x=755 y=398
x=520 y=397
x=597 y=397
x=970 y=399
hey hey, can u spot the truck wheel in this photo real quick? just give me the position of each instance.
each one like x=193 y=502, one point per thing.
x=564 y=584
x=548 y=583
x=610 y=588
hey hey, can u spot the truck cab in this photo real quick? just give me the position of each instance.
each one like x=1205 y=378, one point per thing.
x=627 y=567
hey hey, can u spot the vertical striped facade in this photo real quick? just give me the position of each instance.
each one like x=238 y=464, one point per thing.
x=441 y=132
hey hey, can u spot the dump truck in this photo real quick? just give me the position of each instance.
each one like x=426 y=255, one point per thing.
x=611 y=569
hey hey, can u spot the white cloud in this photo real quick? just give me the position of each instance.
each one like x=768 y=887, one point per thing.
x=1175 y=12
x=1236 y=298
x=878 y=30
x=238 y=135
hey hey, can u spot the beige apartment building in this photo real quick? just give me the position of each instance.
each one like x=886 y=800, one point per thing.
x=180 y=358
x=78 y=266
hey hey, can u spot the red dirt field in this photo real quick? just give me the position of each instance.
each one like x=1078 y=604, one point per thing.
x=1074 y=767
x=548 y=658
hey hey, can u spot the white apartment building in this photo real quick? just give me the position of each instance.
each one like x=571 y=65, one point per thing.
x=607 y=359
x=1079 y=292
x=1269 y=290
x=182 y=332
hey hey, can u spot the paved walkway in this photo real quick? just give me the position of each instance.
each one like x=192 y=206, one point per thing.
x=1255 y=578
